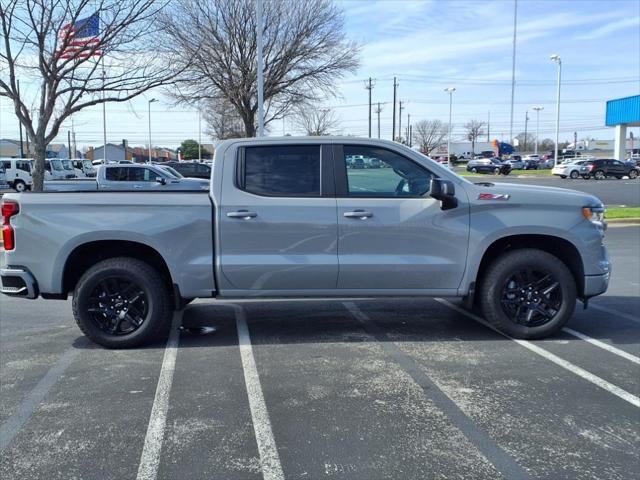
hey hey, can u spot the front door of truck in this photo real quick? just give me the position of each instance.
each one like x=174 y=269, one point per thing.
x=391 y=233
x=277 y=224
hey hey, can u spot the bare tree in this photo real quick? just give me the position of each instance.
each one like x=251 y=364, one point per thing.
x=474 y=129
x=52 y=44
x=222 y=120
x=429 y=134
x=305 y=51
x=315 y=121
x=525 y=139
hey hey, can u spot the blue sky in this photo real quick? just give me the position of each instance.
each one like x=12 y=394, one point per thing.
x=431 y=44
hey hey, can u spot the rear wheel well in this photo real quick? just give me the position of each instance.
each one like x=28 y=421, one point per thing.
x=564 y=250
x=85 y=256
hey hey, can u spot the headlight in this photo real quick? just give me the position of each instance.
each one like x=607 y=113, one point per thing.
x=594 y=214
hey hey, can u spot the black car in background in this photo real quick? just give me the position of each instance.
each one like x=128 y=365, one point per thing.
x=191 y=169
x=607 y=167
x=489 y=165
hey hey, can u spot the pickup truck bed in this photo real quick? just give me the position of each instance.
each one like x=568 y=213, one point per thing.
x=289 y=218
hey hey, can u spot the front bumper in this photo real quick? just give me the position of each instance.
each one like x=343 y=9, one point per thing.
x=17 y=282
x=595 y=284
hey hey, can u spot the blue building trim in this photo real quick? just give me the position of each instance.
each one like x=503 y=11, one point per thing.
x=623 y=111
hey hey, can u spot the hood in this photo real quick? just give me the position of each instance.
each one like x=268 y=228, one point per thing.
x=521 y=194
x=201 y=181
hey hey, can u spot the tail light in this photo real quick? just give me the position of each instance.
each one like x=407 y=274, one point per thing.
x=592 y=167
x=8 y=208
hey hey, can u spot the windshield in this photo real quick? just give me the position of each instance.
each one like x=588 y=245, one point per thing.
x=87 y=164
x=56 y=164
x=67 y=165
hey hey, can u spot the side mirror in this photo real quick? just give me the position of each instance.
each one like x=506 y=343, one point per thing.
x=445 y=191
x=161 y=180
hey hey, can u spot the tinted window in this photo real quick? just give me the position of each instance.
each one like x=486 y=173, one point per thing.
x=282 y=170
x=139 y=174
x=388 y=174
x=187 y=169
x=114 y=174
x=6 y=164
x=26 y=166
x=204 y=170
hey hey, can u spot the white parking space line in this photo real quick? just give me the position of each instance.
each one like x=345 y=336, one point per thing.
x=604 y=346
x=616 y=313
x=269 y=458
x=609 y=387
x=150 y=458
x=13 y=424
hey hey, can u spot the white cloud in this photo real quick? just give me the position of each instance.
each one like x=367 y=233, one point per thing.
x=615 y=26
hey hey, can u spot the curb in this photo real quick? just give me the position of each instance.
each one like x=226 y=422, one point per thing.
x=623 y=221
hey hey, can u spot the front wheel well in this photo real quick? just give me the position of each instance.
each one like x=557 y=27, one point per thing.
x=564 y=250
x=85 y=256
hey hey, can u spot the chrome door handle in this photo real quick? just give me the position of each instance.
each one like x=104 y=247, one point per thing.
x=244 y=214
x=361 y=214
x=137 y=187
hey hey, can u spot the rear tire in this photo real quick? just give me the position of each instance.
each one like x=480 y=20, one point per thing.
x=19 y=186
x=122 y=302
x=505 y=291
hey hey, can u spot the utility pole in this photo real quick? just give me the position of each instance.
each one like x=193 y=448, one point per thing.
x=369 y=86
x=513 y=66
x=526 y=122
x=69 y=143
x=400 y=108
x=488 y=126
x=537 y=109
x=199 y=133
x=408 y=123
x=73 y=141
x=395 y=88
x=260 y=69
x=20 y=126
x=410 y=135
x=378 y=110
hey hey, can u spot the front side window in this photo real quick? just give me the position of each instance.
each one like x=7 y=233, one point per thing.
x=26 y=166
x=388 y=175
x=138 y=174
x=281 y=171
x=67 y=165
x=56 y=165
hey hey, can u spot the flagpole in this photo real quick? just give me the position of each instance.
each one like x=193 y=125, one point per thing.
x=104 y=119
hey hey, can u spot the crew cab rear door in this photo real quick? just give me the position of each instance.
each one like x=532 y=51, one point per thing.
x=277 y=220
x=391 y=233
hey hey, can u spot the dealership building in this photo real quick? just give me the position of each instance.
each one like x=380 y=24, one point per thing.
x=621 y=114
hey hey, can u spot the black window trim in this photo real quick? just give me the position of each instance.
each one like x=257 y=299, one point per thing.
x=340 y=172
x=326 y=174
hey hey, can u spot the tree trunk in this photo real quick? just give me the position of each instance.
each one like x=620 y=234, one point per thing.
x=249 y=126
x=40 y=151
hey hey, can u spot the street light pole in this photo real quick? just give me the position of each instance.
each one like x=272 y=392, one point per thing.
x=260 y=68
x=199 y=134
x=149 y=105
x=450 y=91
x=556 y=58
x=537 y=109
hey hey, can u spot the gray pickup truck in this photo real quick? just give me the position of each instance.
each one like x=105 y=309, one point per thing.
x=129 y=177
x=288 y=217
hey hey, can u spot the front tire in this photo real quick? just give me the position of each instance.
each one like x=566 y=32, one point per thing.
x=528 y=293
x=122 y=302
x=19 y=186
x=564 y=176
x=599 y=175
x=574 y=174
x=633 y=174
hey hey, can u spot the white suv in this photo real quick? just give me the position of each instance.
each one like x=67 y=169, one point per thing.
x=18 y=173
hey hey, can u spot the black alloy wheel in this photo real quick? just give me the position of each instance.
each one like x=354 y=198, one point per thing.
x=531 y=297
x=118 y=306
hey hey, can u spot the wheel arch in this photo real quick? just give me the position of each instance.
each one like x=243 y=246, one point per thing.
x=559 y=247
x=84 y=256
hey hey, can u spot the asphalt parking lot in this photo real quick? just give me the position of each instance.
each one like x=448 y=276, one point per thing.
x=348 y=389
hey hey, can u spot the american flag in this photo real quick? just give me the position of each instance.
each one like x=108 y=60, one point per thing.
x=80 y=39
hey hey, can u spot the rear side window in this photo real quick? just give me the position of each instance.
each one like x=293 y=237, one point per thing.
x=26 y=166
x=139 y=174
x=116 y=174
x=281 y=171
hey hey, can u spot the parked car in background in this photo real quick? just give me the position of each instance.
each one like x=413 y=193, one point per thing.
x=3 y=177
x=191 y=169
x=516 y=163
x=18 y=173
x=607 y=167
x=568 y=169
x=532 y=156
x=531 y=165
x=128 y=177
x=87 y=168
x=466 y=156
x=487 y=154
x=489 y=165
x=121 y=162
